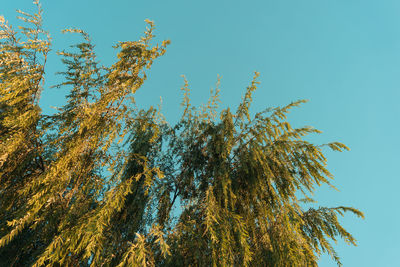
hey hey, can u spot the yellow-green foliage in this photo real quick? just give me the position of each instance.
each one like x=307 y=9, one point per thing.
x=104 y=183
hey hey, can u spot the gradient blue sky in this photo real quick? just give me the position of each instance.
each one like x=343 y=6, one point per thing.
x=342 y=55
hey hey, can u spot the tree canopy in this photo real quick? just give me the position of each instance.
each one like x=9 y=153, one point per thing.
x=103 y=182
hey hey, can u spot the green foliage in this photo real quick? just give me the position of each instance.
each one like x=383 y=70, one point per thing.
x=105 y=183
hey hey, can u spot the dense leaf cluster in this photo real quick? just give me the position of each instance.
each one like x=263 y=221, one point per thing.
x=105 y=183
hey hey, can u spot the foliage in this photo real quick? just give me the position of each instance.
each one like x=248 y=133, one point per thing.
x=104 y=183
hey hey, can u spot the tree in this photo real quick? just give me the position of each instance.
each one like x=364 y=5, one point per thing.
x=105 y=183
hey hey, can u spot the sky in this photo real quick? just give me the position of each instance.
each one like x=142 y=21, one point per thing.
x=343 y=56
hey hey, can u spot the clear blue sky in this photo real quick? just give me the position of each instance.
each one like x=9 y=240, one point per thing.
x=342 y=55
